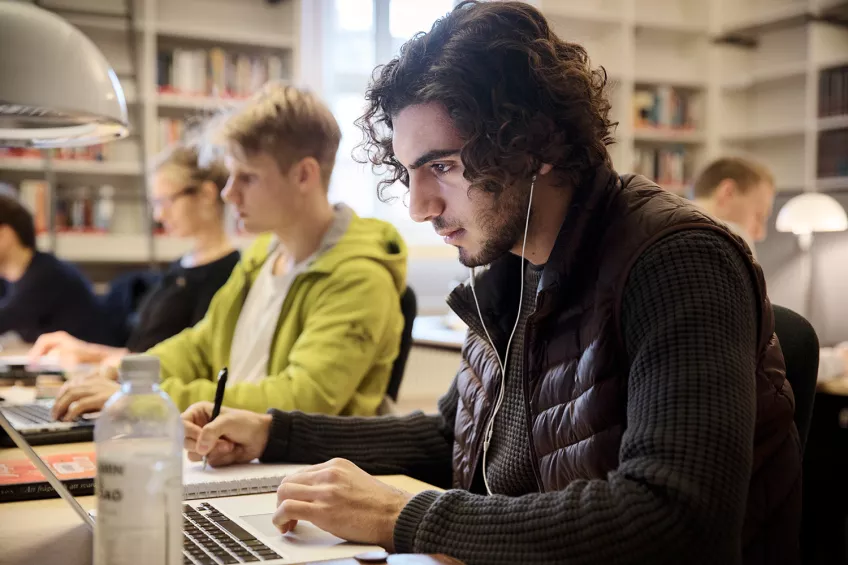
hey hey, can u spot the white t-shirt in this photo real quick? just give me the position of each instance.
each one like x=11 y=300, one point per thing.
x=257 y=323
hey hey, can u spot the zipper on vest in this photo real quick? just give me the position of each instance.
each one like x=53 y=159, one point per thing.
x=534 y=458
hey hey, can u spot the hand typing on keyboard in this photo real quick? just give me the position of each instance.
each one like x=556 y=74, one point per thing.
x=81 y=395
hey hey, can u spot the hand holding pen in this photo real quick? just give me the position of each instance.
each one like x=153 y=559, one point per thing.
x=219 y=400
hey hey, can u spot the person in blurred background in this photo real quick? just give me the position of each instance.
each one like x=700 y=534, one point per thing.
x=43 y=294
x=310 y=318
x=738 y=192
x=185 y=196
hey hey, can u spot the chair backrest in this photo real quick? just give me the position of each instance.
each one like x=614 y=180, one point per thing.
x=800 y=346
x=409 y=308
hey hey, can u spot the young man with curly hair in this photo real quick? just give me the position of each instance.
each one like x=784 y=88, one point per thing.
x=621 y=397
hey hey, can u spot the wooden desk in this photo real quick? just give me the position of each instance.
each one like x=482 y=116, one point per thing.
x=49 y=532
x=838 y=387
x=430 y=331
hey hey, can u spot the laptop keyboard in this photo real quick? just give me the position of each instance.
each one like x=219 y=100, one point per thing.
x=31 y=413
x=210 y=538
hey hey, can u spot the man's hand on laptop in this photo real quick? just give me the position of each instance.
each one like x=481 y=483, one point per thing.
x=235 y=436
x=340 y=498
x=83 y=394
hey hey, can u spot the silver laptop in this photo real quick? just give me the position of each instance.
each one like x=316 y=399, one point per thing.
x=220 y=531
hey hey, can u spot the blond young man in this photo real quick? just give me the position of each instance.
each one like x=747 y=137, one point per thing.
x=738 y=192
x=310 y=318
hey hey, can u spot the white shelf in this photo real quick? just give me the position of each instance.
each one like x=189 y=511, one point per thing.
x=833 y=122
x=767 y=19
x=671 y=25
x=668 y=135
x=97 y=22
x=226 y=35
x=762 y=76
x=677 y=81
x=832 y=183
x=98 y=248
x=765 y=133
x=194 y=102
x=575 y=12
x=72 y=167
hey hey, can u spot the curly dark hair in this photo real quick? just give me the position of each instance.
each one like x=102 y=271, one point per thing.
x=518 y=95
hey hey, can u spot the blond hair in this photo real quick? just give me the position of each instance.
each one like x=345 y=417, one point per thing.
x=288 y=124
x=745 y=173
x=190 y=160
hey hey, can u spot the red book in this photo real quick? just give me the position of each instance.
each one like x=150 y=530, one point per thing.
x=20 y=480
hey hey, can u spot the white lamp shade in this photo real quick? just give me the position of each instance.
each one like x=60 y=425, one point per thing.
x=57 y=89
x=811 y=212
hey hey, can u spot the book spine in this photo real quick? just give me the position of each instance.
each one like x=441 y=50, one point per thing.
x=17 y=493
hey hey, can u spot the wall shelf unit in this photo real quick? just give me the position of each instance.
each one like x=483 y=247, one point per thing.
x=132 y=34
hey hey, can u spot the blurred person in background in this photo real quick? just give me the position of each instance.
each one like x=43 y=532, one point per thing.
x=738 y=192
x=185 y=197
x=42 y=294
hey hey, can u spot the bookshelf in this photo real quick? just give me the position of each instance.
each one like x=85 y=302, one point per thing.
x=749 y=69
x=132 y=34
x=655 y=53
x=770 y=58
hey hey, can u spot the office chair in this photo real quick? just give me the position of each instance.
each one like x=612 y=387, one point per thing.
x=800 y=347
x=409 y=308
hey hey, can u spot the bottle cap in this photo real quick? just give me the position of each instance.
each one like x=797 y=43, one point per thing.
x=139 y=368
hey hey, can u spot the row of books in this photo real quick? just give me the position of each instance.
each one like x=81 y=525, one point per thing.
x=666 y=167
x=833 y=153
x=216 y=72
x=664 y=107
x=85 y=209
x=833 y=92
x=91 y=153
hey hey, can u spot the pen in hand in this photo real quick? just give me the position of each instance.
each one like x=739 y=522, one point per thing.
x=219 y=400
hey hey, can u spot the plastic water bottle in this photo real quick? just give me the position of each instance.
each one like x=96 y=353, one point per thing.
x=139 y=440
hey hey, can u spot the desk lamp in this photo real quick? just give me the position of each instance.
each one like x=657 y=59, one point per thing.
x=56 y=87
x=804 y=215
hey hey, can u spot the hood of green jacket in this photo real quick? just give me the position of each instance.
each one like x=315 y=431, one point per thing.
x=365 y=238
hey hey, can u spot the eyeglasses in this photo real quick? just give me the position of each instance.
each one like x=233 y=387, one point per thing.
x=169 y=200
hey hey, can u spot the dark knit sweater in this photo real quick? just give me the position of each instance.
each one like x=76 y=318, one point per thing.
x=508 y=466
x=689 y=321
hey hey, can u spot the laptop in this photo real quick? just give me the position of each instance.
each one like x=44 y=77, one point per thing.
x=221 y=531
x=33 y=419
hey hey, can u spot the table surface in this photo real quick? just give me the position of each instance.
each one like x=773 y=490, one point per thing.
x=431 y=331
x=48 y=531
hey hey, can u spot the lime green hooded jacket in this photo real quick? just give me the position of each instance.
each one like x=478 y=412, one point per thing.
x=336 y=339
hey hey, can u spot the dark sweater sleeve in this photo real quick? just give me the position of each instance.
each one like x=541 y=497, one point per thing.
x=679 y=493
x=416 y=445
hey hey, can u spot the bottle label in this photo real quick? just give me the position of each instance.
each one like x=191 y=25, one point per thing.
x=139 y=505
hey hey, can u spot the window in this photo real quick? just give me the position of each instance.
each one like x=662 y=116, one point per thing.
x=358 y=36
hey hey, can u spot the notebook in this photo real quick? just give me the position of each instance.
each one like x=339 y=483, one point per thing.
x=217 y=482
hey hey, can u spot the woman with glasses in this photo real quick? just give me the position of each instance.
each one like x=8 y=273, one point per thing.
x=185 y=197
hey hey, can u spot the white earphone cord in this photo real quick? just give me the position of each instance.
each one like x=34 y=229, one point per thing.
x=490 y=427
